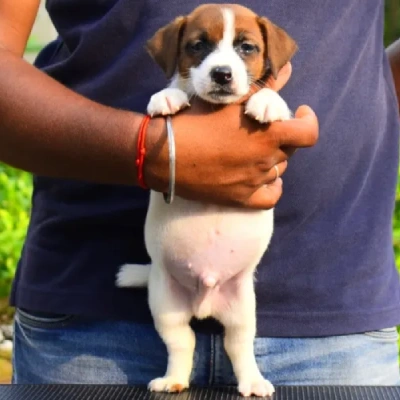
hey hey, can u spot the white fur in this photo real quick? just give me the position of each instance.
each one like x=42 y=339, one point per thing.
x=204 y=256
x=131 y=275
x=168 y=101
x=266 y=106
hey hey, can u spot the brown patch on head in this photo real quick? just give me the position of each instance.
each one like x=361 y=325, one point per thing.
x=204 y=27
x=207 y=19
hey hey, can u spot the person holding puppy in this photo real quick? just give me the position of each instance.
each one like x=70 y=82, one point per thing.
x=328 y=294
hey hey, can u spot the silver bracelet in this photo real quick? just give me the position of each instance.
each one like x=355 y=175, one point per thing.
x=169 y=197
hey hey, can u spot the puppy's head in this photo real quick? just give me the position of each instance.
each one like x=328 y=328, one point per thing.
x=218 y=51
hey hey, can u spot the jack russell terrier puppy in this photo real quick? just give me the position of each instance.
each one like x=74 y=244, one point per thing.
x=204 y=256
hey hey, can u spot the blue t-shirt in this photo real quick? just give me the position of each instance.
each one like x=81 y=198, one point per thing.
x=330 y=267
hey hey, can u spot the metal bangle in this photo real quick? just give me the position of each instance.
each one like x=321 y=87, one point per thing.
x=169 y=197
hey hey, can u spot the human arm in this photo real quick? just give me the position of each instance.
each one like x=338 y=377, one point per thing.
x=393 y=52
x=47 y=129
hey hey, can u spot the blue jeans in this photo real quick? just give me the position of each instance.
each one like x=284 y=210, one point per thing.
x=68 y=349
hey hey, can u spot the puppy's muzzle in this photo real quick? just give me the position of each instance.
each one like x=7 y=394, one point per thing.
x=221 y=75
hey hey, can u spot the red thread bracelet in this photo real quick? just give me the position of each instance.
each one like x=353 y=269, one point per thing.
x=141 y=150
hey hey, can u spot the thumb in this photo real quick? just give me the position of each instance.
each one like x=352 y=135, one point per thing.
x=301 y=131
x=307 y=115
x=305 y=112
x=266 y=197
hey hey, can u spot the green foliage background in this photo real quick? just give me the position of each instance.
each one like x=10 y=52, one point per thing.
x=16 y=187
x=15 y=193
x=392 y=32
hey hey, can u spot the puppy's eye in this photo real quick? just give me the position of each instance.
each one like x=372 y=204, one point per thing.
x=248 y=48
x=197 y=46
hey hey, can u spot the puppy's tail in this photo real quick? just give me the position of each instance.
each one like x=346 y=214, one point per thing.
x=133 y=275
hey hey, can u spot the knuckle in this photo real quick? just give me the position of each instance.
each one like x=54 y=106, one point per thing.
x=256 y=183
x=239 y=199
x=264 y=164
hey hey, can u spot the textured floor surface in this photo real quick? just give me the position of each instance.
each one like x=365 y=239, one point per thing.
x=98 y=392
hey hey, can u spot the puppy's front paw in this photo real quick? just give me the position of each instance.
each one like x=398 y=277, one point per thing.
x=258 y=387
x=168 y=384
x=167 y=102
x=267 y=106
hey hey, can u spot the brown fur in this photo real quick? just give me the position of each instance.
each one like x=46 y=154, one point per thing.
x=163 y=46
x=280 y=46
x=167 y=46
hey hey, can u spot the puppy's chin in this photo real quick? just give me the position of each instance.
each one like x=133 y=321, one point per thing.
x=216 y=95
x=215 y=98
x=220 y=95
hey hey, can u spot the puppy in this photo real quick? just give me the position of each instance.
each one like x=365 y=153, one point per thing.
x=204 y=256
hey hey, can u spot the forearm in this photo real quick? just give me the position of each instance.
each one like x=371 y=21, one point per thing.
x=49 y=130
x=393 y=52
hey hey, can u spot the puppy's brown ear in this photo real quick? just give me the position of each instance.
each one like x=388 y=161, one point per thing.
x=164 y=45
x=280 y=47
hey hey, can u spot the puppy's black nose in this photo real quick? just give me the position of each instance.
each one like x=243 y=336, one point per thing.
x=221 y=75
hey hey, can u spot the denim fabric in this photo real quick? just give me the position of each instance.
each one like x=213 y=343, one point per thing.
x=66 y=349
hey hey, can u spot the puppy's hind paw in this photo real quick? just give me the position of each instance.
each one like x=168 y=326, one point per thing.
x=168 y=384
x=167 y=102
x=258 y=387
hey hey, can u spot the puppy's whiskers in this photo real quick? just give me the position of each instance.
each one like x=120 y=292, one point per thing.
x=256 y=83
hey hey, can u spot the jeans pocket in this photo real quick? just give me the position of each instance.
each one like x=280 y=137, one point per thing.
x=32 y=320
x=386 y=334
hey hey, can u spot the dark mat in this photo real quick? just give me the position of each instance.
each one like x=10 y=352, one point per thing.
x=122 y=392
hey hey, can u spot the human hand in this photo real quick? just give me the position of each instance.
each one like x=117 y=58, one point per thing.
x=224 y=157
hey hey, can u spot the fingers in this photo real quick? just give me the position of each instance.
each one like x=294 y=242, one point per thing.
x=276 y=172
x=266 y=196
x=282 y=79
x=302 y=131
